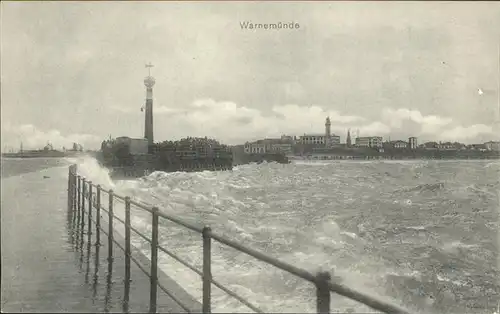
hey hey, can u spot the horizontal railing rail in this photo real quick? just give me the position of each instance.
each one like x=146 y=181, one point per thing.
x=81 y=190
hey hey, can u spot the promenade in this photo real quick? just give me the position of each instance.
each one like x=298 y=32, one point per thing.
x=48 y=265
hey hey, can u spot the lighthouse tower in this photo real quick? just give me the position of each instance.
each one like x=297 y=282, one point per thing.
x=348 y=140
x=328 y=132
x=149 y=81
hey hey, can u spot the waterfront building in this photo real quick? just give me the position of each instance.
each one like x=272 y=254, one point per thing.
x=48 y=146
x=369 y=141
x=312 y=139
x=429 y=145
x=451 y=146
x=268 y=146
x=412 y=143
x=319 y=139
x=398 y=144
x=480 y=147
x=446 y=146
x=288 y=139
x=137 y=146
x=492 y=145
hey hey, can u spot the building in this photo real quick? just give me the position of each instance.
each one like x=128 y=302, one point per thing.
x=312 y=139
x=429 y=145
x=451 y=146
x=369 y=141
x=480 y=147
x=492 y=145
x=137 y=146
x=446 y=146
x=266 y=146
x=399 y=144
x=255 y=148
x=319 y=139
x=288 y=139
x=412 y=143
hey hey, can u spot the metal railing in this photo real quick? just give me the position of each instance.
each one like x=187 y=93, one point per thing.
x=81 y=193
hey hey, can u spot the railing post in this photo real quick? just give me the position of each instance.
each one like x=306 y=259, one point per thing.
x=154 y=263
x=79 y=190
x=73 y=198
x=74 y=189
x=69 y=188
x=127 y=255
x=90 y=213
x=207 y=270
x=84 y=188
x=78 y=207
x=127 y=238
x=323 y=292
x=98 y=216
x=110 y=226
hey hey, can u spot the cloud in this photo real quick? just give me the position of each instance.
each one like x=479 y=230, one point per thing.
x=430 y=124
x=233 y=123
x=374 y=129
x=434 y=127
x=459 y=133
x=34 y=138
x=294 y=111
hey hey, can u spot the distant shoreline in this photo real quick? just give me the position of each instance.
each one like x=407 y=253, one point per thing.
x=292 y=159
x=41 y=154
x=12 y=167
x=358 y=158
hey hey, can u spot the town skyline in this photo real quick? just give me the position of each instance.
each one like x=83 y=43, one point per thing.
x=76 y=74
x=294 y=137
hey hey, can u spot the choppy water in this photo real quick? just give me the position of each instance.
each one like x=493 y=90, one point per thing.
x=15 y=166
x=422 y=233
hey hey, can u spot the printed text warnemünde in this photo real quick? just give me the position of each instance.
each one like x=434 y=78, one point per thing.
x=279 y=25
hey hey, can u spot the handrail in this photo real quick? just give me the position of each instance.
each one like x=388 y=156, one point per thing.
x=185 y=263
x=80 y=190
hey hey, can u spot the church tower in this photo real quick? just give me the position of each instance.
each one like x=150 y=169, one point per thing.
x=149 y=81
x=348 y=140
x=328 y=132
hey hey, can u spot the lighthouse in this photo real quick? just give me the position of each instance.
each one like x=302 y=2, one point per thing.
x=149 y=81
x=348 y=140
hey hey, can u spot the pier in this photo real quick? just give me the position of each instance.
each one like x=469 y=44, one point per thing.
x=75 y=260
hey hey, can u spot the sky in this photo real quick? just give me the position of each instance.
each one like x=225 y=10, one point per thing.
x=74 y=71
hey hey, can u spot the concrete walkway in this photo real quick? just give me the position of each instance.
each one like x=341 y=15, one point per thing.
x=47 y=266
